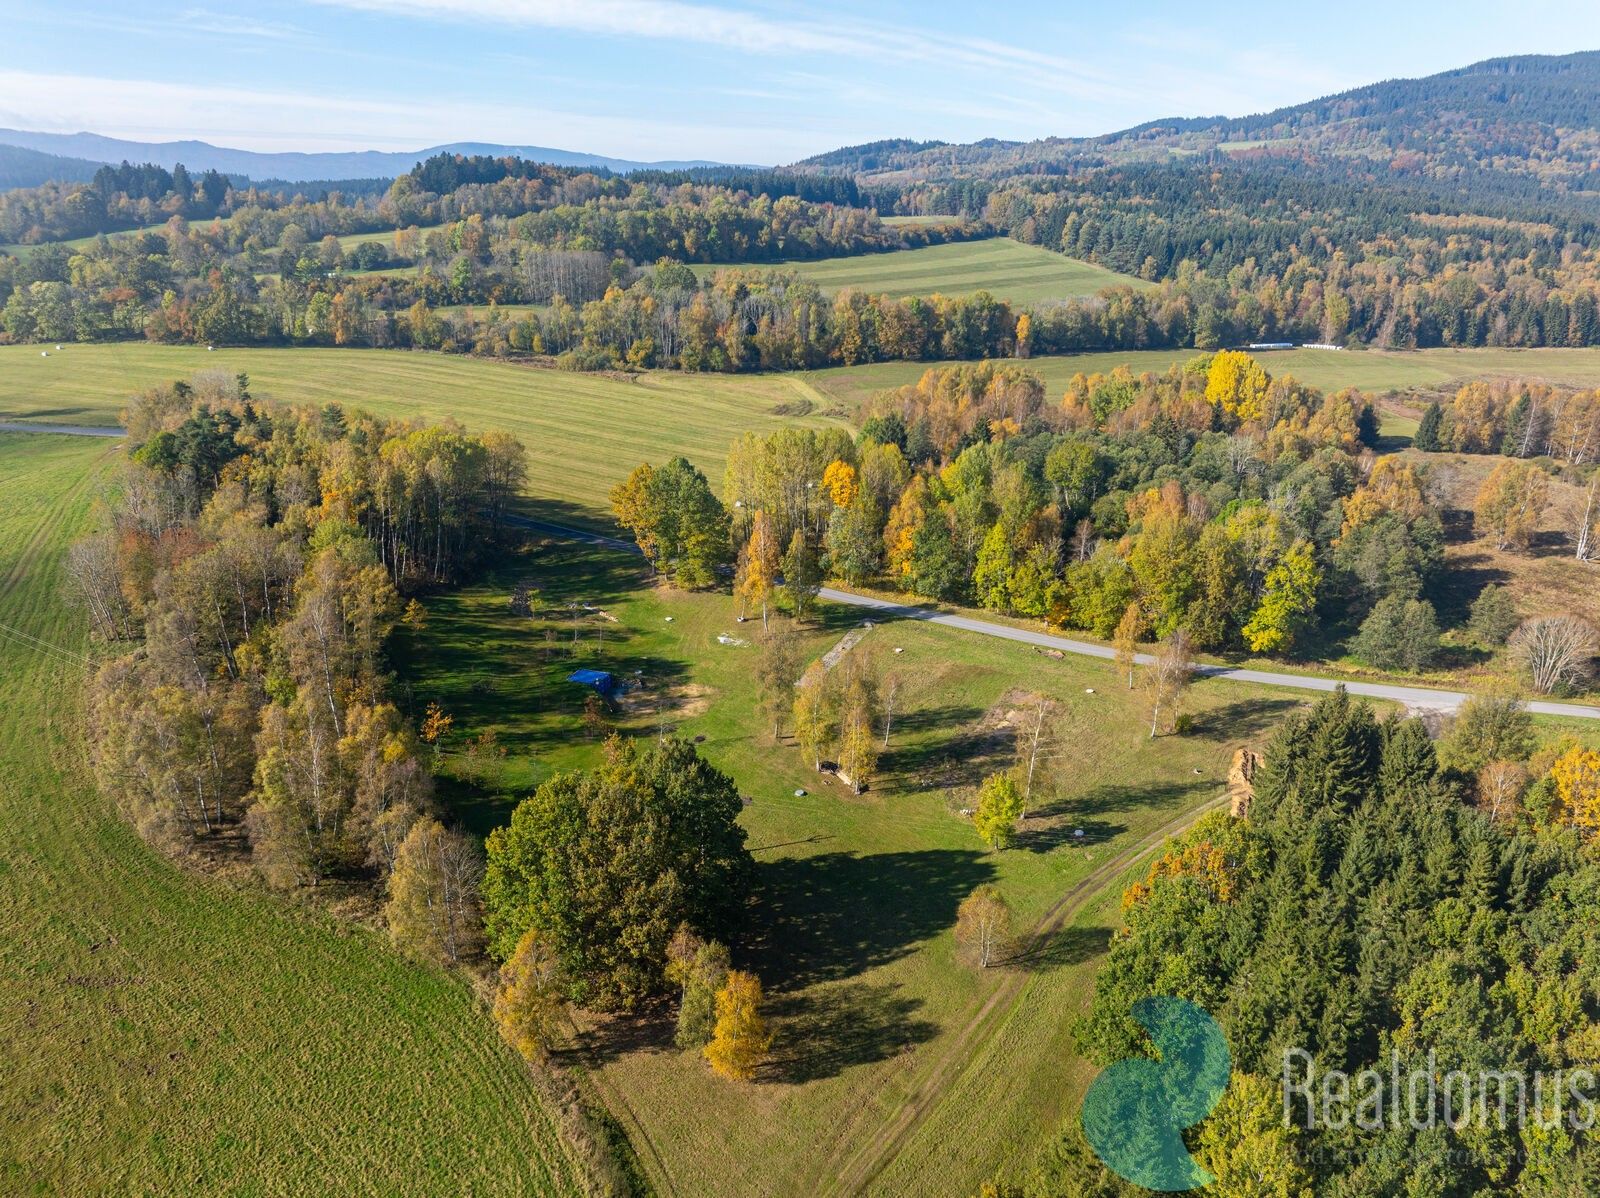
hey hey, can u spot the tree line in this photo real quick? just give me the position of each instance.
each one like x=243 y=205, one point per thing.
x=254 y=566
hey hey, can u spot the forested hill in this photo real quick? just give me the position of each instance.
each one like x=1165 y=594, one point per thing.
x=1534 y=114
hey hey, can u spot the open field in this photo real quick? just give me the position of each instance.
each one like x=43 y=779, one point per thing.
x=164 y=1033
x=584 y=432
x=1009 y=270
x=892 y=221
x=1370 y=370
x=887 y=1044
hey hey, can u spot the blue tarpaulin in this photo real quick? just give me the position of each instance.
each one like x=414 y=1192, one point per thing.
x=599 y=679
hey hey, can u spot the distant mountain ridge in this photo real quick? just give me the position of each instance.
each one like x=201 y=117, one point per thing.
x=1529 y=114
x=298 y=167
x=22 y=167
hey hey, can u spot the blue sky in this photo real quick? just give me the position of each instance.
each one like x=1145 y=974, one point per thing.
x=735 y=80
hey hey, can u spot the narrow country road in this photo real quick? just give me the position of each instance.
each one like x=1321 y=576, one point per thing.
x=1415 y=698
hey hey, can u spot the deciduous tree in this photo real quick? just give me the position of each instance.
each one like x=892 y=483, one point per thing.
x=528 y=1000
x=999 y=808
x=1166 y=680
x=700 y=968
x=1555 y=651
x=1510 y=502
x=609 y=863
x=983 y=924
x=433 y=893
x=740 y=1041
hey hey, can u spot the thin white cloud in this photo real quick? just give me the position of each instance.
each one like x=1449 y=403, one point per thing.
x=660 y=19
x=277 y=121
x=748 y=32
x=200 y=20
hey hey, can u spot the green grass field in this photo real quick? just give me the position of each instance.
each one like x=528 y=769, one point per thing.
x=888 y=1046
x=1370 y=370
x=166 y=1033
x=1009 y=270
x=584 y=432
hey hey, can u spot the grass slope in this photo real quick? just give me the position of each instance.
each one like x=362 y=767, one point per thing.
x=584 y=432
x=163 y=1033
x=1009 y=270
x=887 y=1045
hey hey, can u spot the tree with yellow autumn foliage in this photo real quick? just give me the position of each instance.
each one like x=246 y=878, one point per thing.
x=758 y=566
x=1510 y=502
x=839 y=479
x=1238 y=385
x=528 y=999
x=1576 y=774
x=1393 y=488
x=740 y=1043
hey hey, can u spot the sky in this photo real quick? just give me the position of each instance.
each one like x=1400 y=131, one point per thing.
x=754 y=81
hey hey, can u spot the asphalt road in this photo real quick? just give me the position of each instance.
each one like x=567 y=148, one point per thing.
x=1415 y=698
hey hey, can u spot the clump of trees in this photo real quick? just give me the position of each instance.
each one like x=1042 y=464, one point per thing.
x=609 y=864
x=1199 y=499
x=1373 y=905
x=679 y=525
x=254 y=565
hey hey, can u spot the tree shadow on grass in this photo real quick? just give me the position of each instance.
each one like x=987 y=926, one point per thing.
x=1063 y=949
x=1041 y=835
x=1242 y=719
x=1111 y=798
x=822 y=1032
x=1456 y=589
x=621 y=1034
x=836 y=915
x=963 y=758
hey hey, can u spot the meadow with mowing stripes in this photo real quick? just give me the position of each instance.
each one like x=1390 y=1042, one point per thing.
x=583 y=432
x=1008 y=270
x=887 y=1043
x=164 y=1032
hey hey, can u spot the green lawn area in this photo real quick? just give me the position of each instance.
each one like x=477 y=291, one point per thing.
x=1009 y=270
x=889 y=1049
x=584 y=432
x=1370 y=370
x=162 y=1032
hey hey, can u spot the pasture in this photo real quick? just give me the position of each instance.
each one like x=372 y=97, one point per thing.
x=888 y=1045
x=1008 y=270
x=584 y=432
x=163 y=1032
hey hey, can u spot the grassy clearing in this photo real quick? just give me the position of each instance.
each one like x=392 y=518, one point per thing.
x=584 y=432
x=1547 y=579
x=877 y=1021
x=1009 y=270
x=1370 y=370
x=911 y=221
x=165 y=1033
